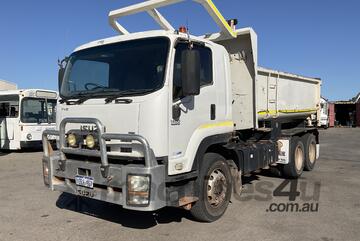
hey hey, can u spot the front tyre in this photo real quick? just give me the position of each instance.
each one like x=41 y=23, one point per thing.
x=215 y=187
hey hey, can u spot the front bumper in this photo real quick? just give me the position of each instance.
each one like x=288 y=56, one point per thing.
x=110 y=180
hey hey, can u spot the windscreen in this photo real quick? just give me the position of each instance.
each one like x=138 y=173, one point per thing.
x=35 y=110
x=130 y=68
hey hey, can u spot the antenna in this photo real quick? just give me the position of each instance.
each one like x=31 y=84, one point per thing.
x=191 y=45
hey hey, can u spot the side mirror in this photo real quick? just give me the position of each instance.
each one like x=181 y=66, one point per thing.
x=190 y=72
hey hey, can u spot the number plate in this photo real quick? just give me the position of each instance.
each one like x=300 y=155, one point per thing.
x=86 y=192
x=84 y=181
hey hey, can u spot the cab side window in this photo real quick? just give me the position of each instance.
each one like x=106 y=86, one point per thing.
x=206 y=69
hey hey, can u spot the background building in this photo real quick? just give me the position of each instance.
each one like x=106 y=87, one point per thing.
x=6 y=85
x=347 y=113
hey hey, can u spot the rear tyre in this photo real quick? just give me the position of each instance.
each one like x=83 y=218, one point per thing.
x=215 y=187
x=296 y=163
x=310 y=152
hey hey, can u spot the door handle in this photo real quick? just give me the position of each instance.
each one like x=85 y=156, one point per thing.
x=212 y=112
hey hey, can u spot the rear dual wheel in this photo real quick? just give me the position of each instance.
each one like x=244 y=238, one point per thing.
x=310 y=151
x=302 y=156
x=296 y=163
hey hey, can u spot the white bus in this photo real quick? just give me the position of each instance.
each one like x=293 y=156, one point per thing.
x=24 y=115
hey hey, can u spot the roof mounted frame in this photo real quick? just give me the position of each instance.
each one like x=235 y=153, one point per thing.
x=151 y=6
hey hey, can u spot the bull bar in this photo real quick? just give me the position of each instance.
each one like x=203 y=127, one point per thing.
x=62 y=171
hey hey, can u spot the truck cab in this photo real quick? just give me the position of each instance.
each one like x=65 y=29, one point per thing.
x=133 y=86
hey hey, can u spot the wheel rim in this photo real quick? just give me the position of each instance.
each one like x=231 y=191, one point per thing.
x=216 y=188
x=312 y=152
x=299 y=157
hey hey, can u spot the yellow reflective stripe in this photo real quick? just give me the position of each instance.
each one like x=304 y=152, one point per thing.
x=274 y=112
x=270 y=112
x=297 y=111
x=222 y=19
x=219 y=124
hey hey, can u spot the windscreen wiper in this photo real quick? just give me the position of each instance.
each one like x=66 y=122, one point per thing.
x=117 y=100
x=83 y=96
x=63 y=100
x=113 y=95
x=74 y=100
x=83 y=99
x=126 y=93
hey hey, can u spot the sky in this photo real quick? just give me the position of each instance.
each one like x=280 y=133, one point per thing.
x=318 y=38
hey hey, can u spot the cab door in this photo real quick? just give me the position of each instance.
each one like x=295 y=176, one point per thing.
x=189 y=113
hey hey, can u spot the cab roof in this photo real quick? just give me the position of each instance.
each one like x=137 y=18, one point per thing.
x=139 y=35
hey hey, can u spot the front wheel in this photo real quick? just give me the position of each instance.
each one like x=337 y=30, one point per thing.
x=215 y=187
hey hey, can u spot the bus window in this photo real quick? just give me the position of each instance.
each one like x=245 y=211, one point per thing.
x=14 y=110
x=4 y=109
x=51 y=111
x=9 y=106
x=35 y=110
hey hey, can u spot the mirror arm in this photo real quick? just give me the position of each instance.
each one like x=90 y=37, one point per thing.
x=62 y=63
x=178 y=102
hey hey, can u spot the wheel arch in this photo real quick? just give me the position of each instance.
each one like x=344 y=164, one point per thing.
x=215 y=144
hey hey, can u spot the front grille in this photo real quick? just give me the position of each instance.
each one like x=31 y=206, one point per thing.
x=120 y=160
x=126 y=149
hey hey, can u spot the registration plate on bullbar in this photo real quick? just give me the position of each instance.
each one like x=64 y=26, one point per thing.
x=84 y=181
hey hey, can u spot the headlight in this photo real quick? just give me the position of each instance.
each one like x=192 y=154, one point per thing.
x=90 y=141
x=138 y=183
x=71 y=139
x=138 y=190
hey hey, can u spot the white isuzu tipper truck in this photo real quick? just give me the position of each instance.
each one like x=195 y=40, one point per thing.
x=163 y=118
